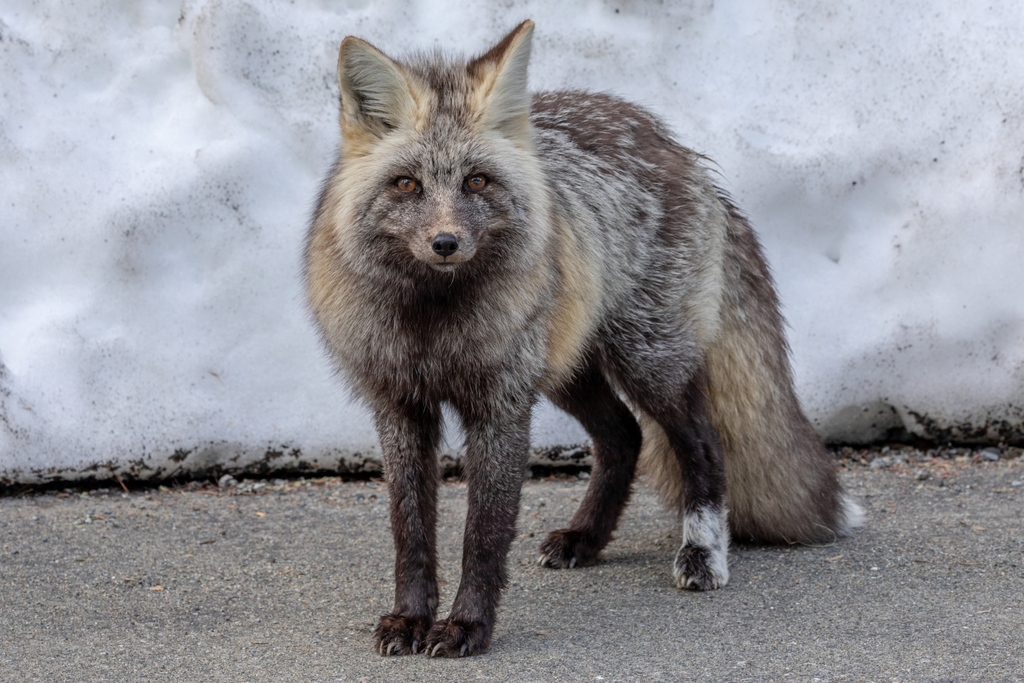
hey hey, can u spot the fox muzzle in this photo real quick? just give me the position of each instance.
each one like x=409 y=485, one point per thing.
x=445 y=244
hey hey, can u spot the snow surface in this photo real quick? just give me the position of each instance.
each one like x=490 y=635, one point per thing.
x=159 y=163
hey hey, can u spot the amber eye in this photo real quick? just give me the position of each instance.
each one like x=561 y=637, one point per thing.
x=476 y=182
x=407 y=185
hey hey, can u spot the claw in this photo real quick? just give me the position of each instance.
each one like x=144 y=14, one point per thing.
x=462 y=651
x=433 y=653
x=572 y=563
x=391 y=647
x=415 y=646
x=540 y=560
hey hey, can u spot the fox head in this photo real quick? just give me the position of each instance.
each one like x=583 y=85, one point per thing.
x=438 y=170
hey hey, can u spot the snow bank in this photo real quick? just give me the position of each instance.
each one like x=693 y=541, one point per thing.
x=159 y=163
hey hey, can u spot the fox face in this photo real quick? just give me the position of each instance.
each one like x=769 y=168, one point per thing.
x=443 y=209
x=438 y=173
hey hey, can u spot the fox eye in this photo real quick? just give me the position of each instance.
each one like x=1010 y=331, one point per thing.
x=475 y=182
x=407 y=185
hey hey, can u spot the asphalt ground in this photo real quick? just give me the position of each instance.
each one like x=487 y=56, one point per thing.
x=283 y=581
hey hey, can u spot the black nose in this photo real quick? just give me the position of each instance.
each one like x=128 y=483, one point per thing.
x=445 y=244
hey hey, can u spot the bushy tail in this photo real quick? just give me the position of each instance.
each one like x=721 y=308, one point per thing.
x=780 y=480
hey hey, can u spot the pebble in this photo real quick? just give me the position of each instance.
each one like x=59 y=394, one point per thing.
x=990 y=454
x=1017 y=482
x=922 y=474
x=227 y=481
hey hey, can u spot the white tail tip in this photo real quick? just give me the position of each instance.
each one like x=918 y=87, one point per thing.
x=853 y=516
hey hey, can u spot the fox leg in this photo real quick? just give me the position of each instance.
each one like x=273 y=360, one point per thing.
x=672 y=391
x=616 y=437
x=497 y=445
x=409 y=436
x=702 y=562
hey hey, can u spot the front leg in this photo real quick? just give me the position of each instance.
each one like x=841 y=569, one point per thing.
x=496 y=454
x=409 y=436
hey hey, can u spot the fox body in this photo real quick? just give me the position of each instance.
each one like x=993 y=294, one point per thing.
x=478 y=247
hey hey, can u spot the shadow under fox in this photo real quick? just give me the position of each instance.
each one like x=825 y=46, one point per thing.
x=477 y=246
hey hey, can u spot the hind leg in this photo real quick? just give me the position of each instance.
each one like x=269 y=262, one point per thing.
x=702 y=561
x=616 y=437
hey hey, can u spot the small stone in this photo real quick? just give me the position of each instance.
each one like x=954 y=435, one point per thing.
x=584 y=475
x=879 y=463
x=227 y=481
x=990 y=454
x=1017 y=482
x=922 y=474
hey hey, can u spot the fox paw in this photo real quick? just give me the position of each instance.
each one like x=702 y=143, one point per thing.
x=567 y=548
x=697 y=568
x=453 y=638
x=399 y=635
x=702 y=562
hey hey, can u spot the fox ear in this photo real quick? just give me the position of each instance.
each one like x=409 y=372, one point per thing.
x=376 y=96
x=502 y=100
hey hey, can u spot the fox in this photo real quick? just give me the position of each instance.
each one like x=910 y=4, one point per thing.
x=477 y=247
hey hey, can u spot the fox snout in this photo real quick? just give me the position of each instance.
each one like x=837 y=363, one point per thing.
x=443 y=248
x=445 y=244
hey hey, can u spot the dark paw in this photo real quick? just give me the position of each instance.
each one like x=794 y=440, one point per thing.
x=566 y=548
x=452 y=638
x=701 y=569
x=398 y=635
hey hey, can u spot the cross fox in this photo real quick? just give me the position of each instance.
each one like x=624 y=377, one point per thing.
x=477 y=246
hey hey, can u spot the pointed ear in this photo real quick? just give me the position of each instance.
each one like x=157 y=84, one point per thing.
x=501 y=98
x=376 y=95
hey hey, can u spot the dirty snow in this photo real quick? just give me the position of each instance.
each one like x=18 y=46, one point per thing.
x=158 y=163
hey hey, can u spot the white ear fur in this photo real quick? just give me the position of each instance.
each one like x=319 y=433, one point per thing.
x=375 y=94
x=504 y=100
